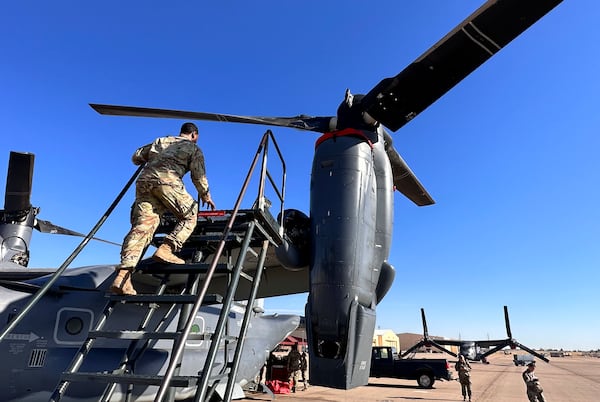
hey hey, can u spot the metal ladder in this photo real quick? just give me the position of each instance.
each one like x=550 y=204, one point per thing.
x=225 y=236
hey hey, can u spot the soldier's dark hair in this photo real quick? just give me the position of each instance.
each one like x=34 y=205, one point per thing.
x=188 y=128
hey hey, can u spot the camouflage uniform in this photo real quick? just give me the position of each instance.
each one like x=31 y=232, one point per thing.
x=160 y=188
x=304 y=368
x=534 y=389
x=464 y=376
x=294 y=367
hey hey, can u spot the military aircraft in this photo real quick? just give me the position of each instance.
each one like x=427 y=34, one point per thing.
x=472 y=350
x=355 y=170
x=44 y=343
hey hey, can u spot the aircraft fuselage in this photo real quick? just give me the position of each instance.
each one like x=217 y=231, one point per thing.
x=43 y=344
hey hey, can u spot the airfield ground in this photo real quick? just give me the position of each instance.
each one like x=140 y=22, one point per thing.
x=565 y=379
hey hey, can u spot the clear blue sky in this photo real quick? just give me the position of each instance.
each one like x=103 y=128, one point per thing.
x=510 y=154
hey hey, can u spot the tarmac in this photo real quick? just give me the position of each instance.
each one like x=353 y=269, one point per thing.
x=564 y=379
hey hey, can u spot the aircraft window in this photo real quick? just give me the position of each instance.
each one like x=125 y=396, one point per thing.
x=197 y=328
x=74 y=325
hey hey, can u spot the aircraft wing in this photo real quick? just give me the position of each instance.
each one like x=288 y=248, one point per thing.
x=492 y=343
x=448 y=342
x=276 y=280
x=397 y=100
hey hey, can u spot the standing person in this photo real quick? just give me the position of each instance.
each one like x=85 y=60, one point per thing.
x=464 y=376
x=534 y=389
x=159 y=188
x=304 y=369
x=294 y=366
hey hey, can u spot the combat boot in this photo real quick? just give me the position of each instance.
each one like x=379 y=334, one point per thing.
x=122 y=284
x=165 y=254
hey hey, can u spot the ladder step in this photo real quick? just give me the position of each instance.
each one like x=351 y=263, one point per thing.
x=246 y=276
x=166 y=299
x=215 y=237
x=136 y=335
x=193 y=268
x=176 y=381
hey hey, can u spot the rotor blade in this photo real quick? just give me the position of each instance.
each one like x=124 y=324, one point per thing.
x=19 y=181
x=507 y=321
x=425 y=332
x=395 y=101
x=302 y=122
x=413 y=348
x=405 y=180
x=531 y=351
x=441 y=348
x=49 y=227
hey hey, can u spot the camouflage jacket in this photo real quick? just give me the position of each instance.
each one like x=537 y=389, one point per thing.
x=293 y=362
x=463 y=369
x=168 y=159
x=532 y=382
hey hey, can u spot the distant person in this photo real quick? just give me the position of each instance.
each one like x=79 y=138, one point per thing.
x=294 y=366
x=304 y=369
x=534 y=389
x=464 y=376
x=159 y=188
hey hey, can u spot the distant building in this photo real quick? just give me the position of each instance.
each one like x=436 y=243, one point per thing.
x=408 y=340
x=386 y=337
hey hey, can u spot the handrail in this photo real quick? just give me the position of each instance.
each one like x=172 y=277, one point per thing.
x=264 y=172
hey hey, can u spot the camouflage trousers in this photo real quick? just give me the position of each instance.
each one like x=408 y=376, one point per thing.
x=151 y=201
x=465 y=383
x=295 y=376
x=535 y=396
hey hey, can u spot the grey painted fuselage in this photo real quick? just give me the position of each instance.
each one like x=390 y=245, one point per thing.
x=45 y=341
x=352 y=217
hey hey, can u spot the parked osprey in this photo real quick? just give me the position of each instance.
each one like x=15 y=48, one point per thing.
x=355 y=170
x=472 y=350
x=338 y=253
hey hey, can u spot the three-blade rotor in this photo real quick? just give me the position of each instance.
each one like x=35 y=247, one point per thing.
x=394 y=101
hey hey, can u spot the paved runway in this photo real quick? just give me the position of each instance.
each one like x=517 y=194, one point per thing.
x=566 y=379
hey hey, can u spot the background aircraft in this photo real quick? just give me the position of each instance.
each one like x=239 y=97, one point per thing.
x=19 y=218
x=355 y=168
x=472 y=350
x=44 y=343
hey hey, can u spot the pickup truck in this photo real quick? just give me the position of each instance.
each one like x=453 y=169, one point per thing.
x=522 y=360
x=386 y=363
